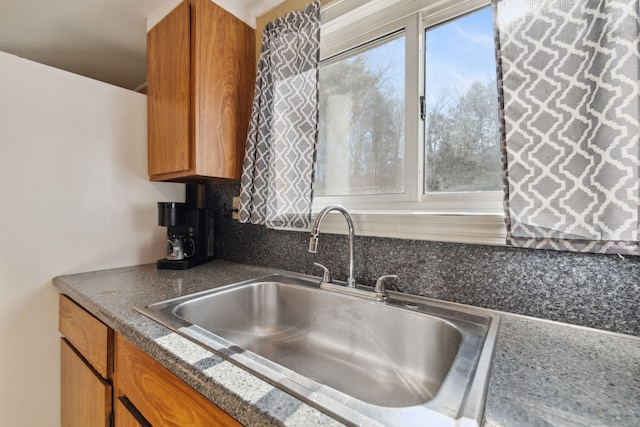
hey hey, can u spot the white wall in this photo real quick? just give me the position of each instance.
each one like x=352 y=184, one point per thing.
x=74 y=196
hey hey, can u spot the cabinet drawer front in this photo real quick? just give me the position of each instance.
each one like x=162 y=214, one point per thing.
x=85 y=398
x=92 y=338
x=161 y=397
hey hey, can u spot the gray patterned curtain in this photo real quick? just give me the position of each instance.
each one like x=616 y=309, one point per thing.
x=569 y=77
x=277 y=176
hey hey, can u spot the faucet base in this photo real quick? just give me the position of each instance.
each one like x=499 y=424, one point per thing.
x=353 y=291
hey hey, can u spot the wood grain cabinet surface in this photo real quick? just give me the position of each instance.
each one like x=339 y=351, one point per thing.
x=200 y=81
x=92 y=338
x=160 y=396
x=106 y=380
x=127 y=415
x=85 y=396
x=86 y=367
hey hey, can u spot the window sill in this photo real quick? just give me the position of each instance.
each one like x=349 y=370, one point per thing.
x=484 y=229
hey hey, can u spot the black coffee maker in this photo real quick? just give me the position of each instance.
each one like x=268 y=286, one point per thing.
x=189 y=230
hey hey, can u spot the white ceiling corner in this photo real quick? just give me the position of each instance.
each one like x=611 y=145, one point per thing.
x=100 y=39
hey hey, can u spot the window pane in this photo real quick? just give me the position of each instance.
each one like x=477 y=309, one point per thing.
x=361 y=134
x=462 y=143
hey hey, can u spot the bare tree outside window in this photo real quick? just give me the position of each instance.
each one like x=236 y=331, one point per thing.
x=361 y=134
x=462 y=144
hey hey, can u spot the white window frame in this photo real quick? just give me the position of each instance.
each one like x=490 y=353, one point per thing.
x=470 y=217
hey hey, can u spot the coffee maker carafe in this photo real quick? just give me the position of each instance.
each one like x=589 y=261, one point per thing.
x=189 y=230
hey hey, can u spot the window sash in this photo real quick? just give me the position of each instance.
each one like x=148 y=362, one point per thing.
x=413 y=86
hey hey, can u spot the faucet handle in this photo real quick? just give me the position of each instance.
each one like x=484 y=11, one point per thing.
x=326 y=275
x=381 y=292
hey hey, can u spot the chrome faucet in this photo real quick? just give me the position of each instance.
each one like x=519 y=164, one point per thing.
x=315 y=234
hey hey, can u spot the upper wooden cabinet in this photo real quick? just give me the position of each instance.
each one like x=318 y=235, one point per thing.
x=200 y=81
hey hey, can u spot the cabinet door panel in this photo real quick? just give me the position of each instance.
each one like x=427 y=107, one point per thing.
x=223 y=83
x=168 y=93
x=161 y=397
x=85 y=397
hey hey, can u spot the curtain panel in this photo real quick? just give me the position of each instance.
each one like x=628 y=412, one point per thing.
x=568 y=73
x=276 y=185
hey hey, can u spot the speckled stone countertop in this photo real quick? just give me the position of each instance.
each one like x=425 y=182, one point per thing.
x=544 y=373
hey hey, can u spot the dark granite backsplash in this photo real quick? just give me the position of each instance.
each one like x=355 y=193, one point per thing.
x=598 y=291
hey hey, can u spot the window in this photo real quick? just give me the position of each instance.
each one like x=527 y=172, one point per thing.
x=408 y=137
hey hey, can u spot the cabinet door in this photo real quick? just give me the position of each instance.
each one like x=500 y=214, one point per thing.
x=161 y=397
x=169 y=93
x=223 y=78
x=84 y=396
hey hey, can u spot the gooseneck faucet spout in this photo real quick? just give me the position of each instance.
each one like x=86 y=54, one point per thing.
x=315 y=234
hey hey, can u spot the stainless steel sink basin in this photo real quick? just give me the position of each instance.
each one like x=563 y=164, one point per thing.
x=409 y=361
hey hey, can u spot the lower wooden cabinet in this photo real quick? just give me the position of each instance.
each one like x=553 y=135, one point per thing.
x=85 y=397
x=159 y=396
x=86 y=367
x=107 y=381
x=88 y=335
x=127 y=415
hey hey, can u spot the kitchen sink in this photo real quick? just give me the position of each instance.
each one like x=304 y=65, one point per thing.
x=406 y=361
